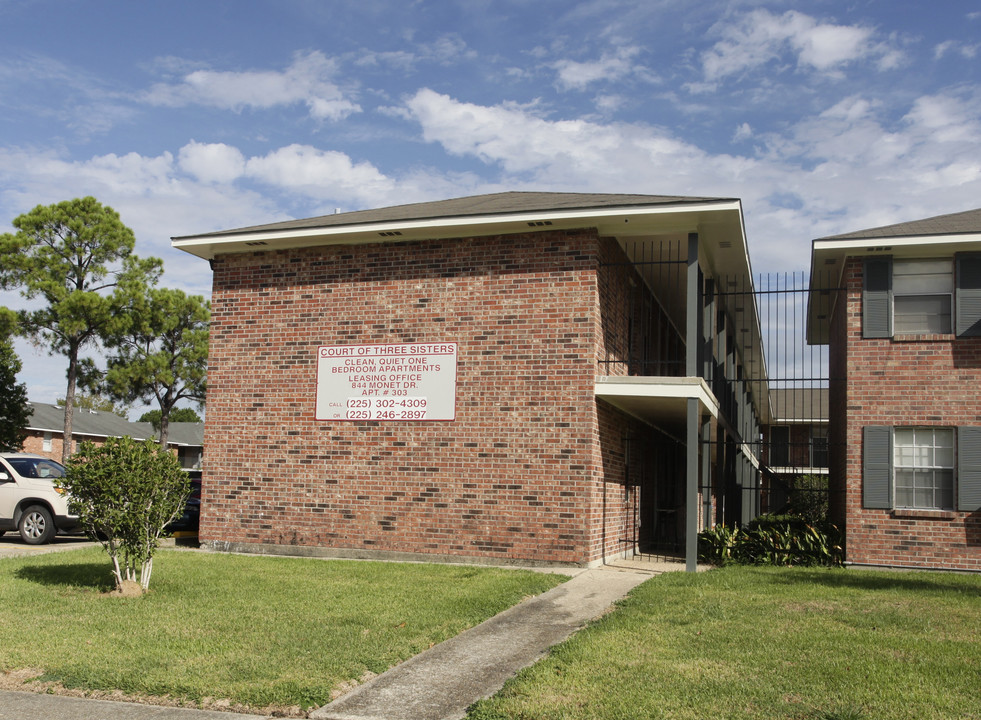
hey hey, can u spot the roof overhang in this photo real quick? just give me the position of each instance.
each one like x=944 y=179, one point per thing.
x=620 y=222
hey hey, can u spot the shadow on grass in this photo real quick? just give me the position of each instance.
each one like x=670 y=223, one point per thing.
x=872 y=580
x=97 y=576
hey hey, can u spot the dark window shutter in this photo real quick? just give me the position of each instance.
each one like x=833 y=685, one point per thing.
x=967 y=297
x=877 y=467
x=969 y=469
x=877 y=297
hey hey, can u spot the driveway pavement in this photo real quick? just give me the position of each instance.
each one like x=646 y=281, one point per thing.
x=12 y=546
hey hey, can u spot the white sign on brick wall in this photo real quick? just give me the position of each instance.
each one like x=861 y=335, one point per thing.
x=412 y=381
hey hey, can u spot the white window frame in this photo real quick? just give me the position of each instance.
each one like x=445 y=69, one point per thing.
x=922 y=271
x=924 y=465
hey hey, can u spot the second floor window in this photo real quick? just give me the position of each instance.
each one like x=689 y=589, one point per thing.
x=935 y=296
x=922 y=296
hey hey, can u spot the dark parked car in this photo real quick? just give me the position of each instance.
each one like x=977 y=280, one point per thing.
x=188 y=522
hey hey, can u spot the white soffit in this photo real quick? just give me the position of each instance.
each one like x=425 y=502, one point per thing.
x=637 y=220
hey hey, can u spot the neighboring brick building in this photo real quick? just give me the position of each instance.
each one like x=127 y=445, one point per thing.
x=583 y=389
x=905 y=355
x=44 y=432
x=795 y=449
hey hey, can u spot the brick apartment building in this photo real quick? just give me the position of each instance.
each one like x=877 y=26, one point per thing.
x=905 y=394
x=516 y=377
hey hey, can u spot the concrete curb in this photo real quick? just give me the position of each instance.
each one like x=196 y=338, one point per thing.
x=18 y=705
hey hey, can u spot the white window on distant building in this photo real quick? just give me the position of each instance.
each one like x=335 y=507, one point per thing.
x=46 y=442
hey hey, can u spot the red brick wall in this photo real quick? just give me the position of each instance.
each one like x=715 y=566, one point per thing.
x=34 y=443
x=923 y=380
x=517 y=475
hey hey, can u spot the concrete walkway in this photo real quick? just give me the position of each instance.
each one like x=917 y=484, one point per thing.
x=438 y=684
x=442 y=682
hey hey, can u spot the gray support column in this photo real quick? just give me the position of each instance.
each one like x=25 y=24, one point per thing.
x=706 y=479
x=693 y=343
x=693 y=303
x=721 y=481
x=708 y=332
x=691 y=490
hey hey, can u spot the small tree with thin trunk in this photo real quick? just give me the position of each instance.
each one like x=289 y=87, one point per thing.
x=159 y=352
x=125 y=493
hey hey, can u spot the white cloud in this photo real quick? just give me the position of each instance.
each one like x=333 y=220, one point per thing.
x=212 y=162
x=968 y=52
x=946 y=118
x=564 y=153
x=320 y=174
x=760 y=37
x=851 y=166
x=573 y=75
x=308 y=80
x=445 y=50
x=743 y=132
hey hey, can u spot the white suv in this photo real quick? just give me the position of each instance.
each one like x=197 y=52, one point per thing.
x=29 y=501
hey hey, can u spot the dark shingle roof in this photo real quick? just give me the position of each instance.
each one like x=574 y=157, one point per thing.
x=497 y=203
x=799 y=404
x=185 y=433
x=98 y=423
x=967 y=222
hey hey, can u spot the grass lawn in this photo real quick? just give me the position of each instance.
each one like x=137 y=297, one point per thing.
x=735 y=643
x=259 y=631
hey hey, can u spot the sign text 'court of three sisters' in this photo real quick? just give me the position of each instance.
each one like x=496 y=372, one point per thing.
x=411 y=381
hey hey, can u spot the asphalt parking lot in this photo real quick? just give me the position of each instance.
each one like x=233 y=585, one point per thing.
x=12 y=546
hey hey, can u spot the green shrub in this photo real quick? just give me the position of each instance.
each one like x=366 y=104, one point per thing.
x=125 y=492
x=717 y=546
x=772 y=540
x=809 y=498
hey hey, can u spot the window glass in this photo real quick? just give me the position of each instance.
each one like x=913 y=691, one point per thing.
x=922 y=296
x=819 y=446
x=28 y=467
x=922 y=277
x=921 y=314
x=779 y=446
x=923 y=459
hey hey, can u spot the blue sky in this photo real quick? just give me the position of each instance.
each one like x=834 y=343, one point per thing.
x=186 y=117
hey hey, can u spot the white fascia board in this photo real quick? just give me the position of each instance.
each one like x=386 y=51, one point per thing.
x=874 y=244
x=58 y=433
x=567 y=217
x=675 y=388
x=799 y=470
